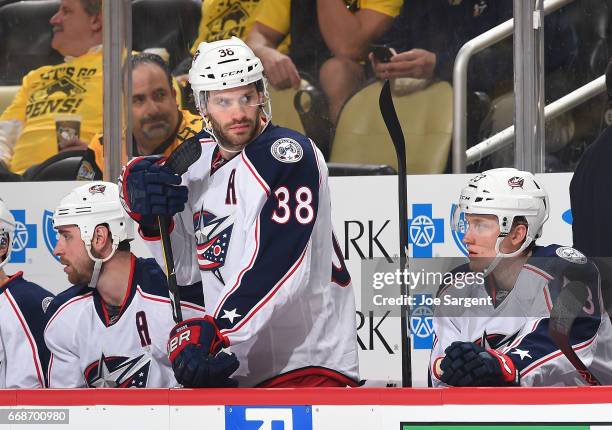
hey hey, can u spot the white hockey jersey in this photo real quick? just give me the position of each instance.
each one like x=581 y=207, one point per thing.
x=518 y=326
x=257 y=232
x=23 y=354
x=89 y=349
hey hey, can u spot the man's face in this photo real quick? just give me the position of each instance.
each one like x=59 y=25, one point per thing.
x=480 y=238
x=235 y=115
x=70 y=249
x=154 y=110
x=4 y=245
x=73 y=28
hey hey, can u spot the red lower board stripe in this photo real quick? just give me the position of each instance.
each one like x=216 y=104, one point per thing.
x=307 y=396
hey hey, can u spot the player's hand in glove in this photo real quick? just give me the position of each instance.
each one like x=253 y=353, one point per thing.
x=194 y=349
x=469 y=365
x=149 y=189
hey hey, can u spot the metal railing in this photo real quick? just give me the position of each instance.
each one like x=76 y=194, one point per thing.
x=556 y=108
x=466 y=52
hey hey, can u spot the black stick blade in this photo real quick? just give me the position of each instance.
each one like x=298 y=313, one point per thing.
x=184 y=156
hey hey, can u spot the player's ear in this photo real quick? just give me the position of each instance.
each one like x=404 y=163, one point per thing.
x=101 y=239
x=518 y=233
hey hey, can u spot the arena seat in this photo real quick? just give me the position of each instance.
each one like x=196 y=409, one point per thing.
x=283 y=111
x=426 y=118
x=76 y=165
x=170 y=24
x=26 y=38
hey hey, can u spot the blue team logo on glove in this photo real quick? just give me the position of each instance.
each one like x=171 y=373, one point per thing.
x=49 y=233
x=268 y=417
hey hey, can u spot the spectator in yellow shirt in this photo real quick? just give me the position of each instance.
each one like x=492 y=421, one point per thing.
x=329 y=41
x=27 y=126
x=158 y=125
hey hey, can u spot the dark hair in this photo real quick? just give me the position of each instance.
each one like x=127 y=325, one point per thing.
x=149 y=58
x=124 y=245
x=521 y=220
x=92 y=7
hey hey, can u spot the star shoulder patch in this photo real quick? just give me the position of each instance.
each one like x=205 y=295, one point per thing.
x=572 y=255
x=287 y=150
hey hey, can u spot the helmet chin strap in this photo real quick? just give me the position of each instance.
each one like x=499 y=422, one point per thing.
x=499 y=255
x=98 y=263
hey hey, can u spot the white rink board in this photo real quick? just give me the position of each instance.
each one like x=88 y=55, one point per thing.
x=330 y=417
x=368 y=203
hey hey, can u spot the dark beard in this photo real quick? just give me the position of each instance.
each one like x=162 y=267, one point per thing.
x=225 y=141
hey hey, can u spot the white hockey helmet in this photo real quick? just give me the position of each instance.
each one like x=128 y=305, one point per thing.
x=90 y=205
x=225 y=64
x=507 y=193
x=7 y=228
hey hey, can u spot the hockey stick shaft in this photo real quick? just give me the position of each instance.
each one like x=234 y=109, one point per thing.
x=389 y=115
x=179 y=161
x=566 y=309
x=173 y=289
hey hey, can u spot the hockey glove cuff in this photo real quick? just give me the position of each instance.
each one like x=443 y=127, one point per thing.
x=194 y=352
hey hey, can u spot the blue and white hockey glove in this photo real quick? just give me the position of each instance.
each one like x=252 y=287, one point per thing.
x=149 y=189
x=194 y=350
x=469 y=365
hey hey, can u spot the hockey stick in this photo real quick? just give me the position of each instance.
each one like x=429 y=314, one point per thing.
x=566 y=308
x=179 y=161
x=387 y=109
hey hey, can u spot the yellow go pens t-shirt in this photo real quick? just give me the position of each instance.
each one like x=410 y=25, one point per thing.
x=70 y=88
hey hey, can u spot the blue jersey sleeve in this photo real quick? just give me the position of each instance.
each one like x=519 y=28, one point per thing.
x=285 y=165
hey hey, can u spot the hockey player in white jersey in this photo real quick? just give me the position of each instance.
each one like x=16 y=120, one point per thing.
x=510 y=337
x=23 y=305
x=111 y=328
x=257 y=231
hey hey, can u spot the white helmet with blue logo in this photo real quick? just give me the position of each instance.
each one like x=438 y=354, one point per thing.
x=225 y=64
x=507 y=193
x=90 y=205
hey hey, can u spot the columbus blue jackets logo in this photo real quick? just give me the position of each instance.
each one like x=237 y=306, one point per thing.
x=572 y=255
x=97 y=189
x=49 y=233
x=213 y=236
x=118 y=372
x=516 y=182
x=287 y=150
x=496 y=341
